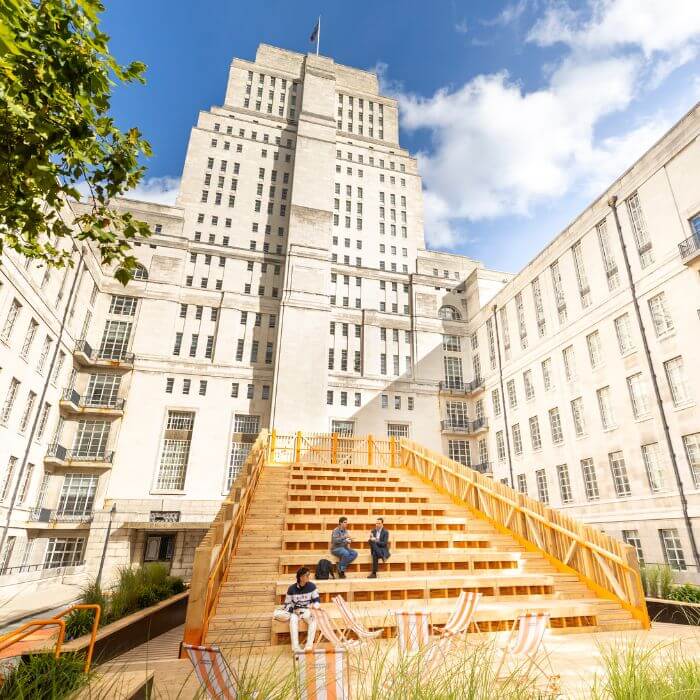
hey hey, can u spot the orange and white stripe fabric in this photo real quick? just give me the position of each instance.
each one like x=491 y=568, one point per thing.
x=463 y=614
x=412 y=630
x=529 y=635
x=323 y=674
x=327 y=630
x=212 y=672
x=351 y=622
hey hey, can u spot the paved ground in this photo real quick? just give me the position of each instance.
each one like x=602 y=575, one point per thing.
x=576 y=657
x=23 y=606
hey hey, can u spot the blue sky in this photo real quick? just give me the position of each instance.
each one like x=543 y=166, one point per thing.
x=520 y=112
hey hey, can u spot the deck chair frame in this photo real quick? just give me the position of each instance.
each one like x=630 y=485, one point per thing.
x=215 y=676
x=352 y=623
x=334 y=678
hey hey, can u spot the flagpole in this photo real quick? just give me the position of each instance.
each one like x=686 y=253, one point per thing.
x=318 y=34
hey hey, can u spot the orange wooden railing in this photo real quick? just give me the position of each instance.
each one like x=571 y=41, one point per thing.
x=219 y=544
x=14 y=637
x=608 y=566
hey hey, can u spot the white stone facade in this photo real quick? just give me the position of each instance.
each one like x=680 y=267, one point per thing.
x=290 y=287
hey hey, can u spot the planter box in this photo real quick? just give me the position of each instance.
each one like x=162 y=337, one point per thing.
x=135 y=629
x=661 y=610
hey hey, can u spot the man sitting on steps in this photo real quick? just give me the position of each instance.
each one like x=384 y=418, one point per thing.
x=379 y=544
x=301 y=597
x=340 y=546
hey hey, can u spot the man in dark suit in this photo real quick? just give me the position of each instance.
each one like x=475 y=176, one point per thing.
x=379 y=545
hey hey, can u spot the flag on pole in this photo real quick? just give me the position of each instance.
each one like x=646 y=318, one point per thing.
x=314 y=33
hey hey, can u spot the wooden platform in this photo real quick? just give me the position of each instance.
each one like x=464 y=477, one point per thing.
x=437 y=550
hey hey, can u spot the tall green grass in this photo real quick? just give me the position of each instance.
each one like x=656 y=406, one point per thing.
x=657 y=580
x=44 y=677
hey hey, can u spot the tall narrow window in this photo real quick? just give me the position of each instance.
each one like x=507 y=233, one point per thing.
x=663 y=323
x=555 y=425
x=607 y=416
x=522 y=328
x=595 y=350
x=175 y=451
x=91 y=439
x=539 y=308
x=632 y=538
x=10 y=321
x=547 y=373
x=638 y=396
x=535 y=437
x=581 y=278
x=542 y=488
x=77 y=495
x=521 y=480
x=675 y=375
x=578 y=417
x=29 y=338
x=9 y=401
x=458 y=450
x=564 y=483
x=692 y=451
x=569 y=363
x=491 y=343
x=623 y=330
x=512 y=393
x=590 y=481
x=517 y=439
x=672 y=549
x=619 y=474
x=505 y=330
x=640 y=231
x=558 y=286
x=453 y=372
x=608 y=259
x=654 y=467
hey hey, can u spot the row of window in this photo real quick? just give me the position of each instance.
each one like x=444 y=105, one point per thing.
x=186 y=388
x=253 y=136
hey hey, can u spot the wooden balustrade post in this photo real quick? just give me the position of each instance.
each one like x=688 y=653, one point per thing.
x=196 y=603
x=297 y=447
x=634 y=576
x=334 y=448
x=370 y=450
x=392 y=450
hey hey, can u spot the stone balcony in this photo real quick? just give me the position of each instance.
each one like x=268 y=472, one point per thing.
x=87 y=356
x=59 y=456
x=72 y=402
x=467 y=427
x=456 y=387
x=689 y=250
x=46 y=518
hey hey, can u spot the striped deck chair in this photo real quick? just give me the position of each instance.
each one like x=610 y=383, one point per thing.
x=412 y=630
x=327 y=630
x=463 y=615
x=525 y=641
x=322 y=674
x=352 y=623
x=213 y=673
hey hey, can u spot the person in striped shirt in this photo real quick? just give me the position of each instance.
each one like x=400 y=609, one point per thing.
x=301 y=597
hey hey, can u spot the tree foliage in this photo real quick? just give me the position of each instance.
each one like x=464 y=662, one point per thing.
x=56 y=135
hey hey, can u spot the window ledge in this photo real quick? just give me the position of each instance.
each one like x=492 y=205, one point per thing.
x=166 y=492
x=686 y=404
x=643 y=418
x=667 y=334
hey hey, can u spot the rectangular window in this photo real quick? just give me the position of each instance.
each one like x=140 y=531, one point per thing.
x=623 y=330
x=458 y=450
x=64 y=551
x=175 y=451
x=535 y=437
x=581 y=278
x=451 y=343
x=654 y=467
x=547 y=373
x=632 y=538
x=607 y=417
x=521 y=480
x=522 y=328
x=638 y=396
x=503 y=313
x=27 y=413
x=491 y=343
x=237 y=458
x=453 y=372
x=500 y=446
x=77 y=495
x=529 y=386
x=595 y=350
x=663 y=323
x=619 y=474
x=496 y=401
x=564 y=483
x=569 y=363
x=578 y=417
x=640 y=231
x=115 y=339
x=672 y=548
x=608 y=259
x=692 y=451
x=590 y=481
x=457 y=414
x=517 y=439
x=542 y=488
x=91 y=439
x=555 y=425
x=397 y=430
x=10 y=321
x=9 y=401
x=539 y=308
x=512 y=394
x=29 y=338
x=558 y=286
x=675 y=375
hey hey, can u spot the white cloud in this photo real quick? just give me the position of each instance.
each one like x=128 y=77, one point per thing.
x=509 y=14
x=159 y=190
x=499 y=150
x=462 y=27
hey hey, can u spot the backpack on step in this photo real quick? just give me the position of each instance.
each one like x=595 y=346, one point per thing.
x=324 y=570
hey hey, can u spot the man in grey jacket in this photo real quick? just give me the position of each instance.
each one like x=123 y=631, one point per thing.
x=340 y=546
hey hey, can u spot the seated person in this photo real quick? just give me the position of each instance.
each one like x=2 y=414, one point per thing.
x=301 y=597
x=340 y=546
x=379 y=545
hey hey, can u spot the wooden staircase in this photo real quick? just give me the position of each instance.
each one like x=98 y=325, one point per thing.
x=439 y=548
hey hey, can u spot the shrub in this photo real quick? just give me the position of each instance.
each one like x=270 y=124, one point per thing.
x=657 y=580
x=78 y=623
x=44 y=677
x=687 y=593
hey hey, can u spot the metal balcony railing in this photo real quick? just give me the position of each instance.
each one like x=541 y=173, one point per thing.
x=25 y=568
x=457 y=386
x=690 y=246
x=47 y=515
x=467 y=427
x=77 y=400
x=113 y=355
x=65 y=455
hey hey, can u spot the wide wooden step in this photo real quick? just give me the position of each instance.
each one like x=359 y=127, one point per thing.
x=319 y=540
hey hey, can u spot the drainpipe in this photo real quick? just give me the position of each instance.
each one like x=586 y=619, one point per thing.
x=612 y=202
x=503 y=397
x=37 y=415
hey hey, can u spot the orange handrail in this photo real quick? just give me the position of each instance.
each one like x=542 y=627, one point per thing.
x=17 y=635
